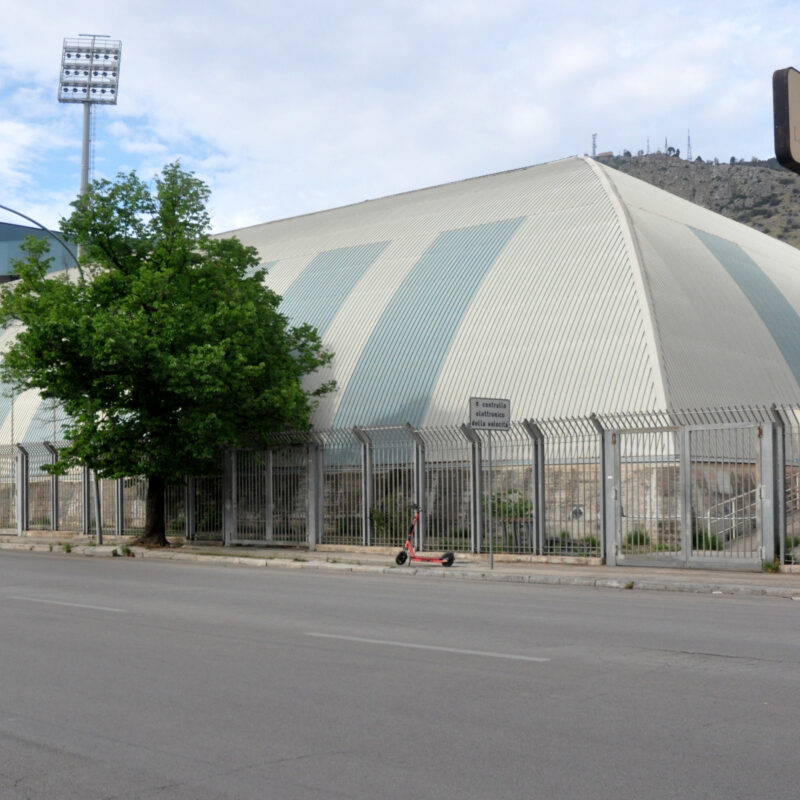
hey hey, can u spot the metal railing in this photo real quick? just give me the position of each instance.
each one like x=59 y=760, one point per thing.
x=733 y=518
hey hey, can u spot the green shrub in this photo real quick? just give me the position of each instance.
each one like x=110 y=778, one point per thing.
x=561 y=544
x=210 y=520
x=392 y=519
x=456 y=539
x=637 y=538
x=508 y=505
x=702 y=540
x=564 y=544
x=591 y=544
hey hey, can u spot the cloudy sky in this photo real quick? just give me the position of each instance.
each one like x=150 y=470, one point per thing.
x=287 y=108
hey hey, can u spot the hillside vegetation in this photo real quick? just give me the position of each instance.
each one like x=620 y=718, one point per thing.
x=761 y=194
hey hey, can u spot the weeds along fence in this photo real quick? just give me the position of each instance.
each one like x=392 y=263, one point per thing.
x=697 y=488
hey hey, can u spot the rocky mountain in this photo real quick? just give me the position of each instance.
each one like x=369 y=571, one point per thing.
x=761 y=194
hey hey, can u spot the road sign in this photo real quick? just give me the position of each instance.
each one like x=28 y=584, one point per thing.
x=786 y=112
x=489 y=414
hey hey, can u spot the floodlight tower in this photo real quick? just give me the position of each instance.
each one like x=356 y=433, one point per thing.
x=89 y=75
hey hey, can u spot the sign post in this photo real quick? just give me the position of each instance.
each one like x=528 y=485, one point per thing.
x=786 y=113
x=490 y=414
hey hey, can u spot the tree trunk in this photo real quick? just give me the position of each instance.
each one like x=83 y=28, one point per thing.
x=155 y=534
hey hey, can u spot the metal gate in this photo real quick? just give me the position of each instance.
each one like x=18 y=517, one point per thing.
x=726 y=493
x=690 y=496
x=647 y=468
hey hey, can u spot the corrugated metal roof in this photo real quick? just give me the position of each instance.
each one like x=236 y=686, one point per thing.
x=590 y=304
x=397 y=369
x=715 y=347
x=569 y=288
x=538 y=322
x=317 y=293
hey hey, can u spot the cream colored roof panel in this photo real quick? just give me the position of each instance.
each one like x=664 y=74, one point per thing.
x=725 y=301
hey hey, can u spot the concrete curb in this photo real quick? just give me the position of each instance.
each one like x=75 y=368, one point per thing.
x=469 y=570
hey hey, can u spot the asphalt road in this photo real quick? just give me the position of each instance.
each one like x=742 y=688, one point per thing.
x=122 y=678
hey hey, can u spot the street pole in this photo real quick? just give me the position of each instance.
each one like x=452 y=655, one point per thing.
x=98 y=525
x=85 y=146
x=491 y=514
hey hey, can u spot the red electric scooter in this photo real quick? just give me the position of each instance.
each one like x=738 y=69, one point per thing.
x=409 y=554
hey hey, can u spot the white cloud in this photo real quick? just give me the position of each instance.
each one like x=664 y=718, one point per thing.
x=14 y=151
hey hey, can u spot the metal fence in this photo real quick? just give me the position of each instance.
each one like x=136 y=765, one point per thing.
x=448 y=488
x=789 y=479
x=8 y=487
x=650 y=492
x=703 y=488
x=571 y=487
x=343 y=490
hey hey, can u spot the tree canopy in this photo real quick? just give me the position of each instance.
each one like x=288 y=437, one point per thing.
x=164 y=346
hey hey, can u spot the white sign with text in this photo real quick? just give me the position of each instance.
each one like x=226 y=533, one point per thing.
x=489 y=414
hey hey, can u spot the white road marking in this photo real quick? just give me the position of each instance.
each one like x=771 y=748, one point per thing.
x=69 y=605
x=510 y=656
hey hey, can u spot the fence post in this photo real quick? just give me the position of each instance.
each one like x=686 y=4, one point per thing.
x=419 y=483
x=190 y=503
x=269 y=498
x=23 y=485
x=53 y=488
x=537 y=439
x=98 y=514
x=366 y=485
x=780 y=483
x=767 y=490
x=687 y=522
x=229 y=505
x=316 y=484
x=476 y=487
x=609 y=496
x=119 y=507
x=86 y=500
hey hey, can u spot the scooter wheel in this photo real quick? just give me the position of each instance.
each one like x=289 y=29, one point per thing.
x=448 y=559
x=401 y=558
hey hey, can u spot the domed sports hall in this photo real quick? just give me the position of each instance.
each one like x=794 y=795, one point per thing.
x=569 y=288
x=647 y=351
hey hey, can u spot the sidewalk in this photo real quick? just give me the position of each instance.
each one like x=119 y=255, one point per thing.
x=380 y=561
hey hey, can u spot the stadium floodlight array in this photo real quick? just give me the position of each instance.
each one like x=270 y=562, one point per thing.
x=90 y=70
x=89 y=75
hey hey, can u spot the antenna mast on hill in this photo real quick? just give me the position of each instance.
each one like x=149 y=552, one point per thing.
x=594 y=145
x=688 y=145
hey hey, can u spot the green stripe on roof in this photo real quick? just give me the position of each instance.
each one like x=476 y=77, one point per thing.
x=769 y=302
x=319 y=291
x=400 y=364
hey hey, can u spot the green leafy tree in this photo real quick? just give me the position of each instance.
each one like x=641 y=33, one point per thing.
x=165 y=346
